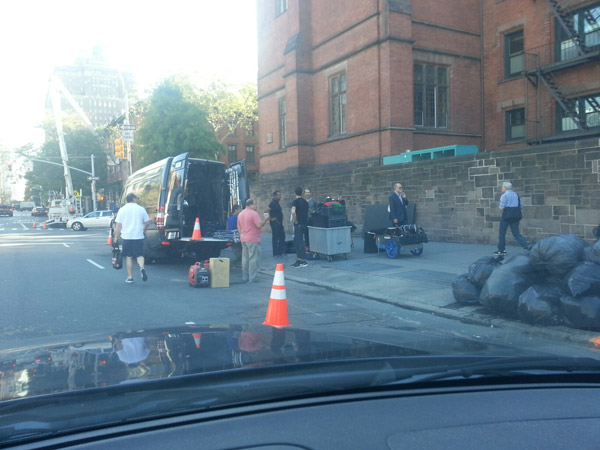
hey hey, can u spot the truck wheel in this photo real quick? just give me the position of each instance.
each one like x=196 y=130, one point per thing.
x=77 y=226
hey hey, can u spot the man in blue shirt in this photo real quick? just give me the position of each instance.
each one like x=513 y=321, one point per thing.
x=509 y=201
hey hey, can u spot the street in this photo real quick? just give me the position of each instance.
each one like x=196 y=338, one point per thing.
x=58 y=283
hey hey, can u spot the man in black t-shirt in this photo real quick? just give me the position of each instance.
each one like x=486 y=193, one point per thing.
x=276 y=222
x=300 y=220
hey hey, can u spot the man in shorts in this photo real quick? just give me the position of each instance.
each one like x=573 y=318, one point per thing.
x=131 y=223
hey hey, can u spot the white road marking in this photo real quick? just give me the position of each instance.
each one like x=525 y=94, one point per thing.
x=24 y=227
x=307 y=310
x=94 y=264
x=65 y=245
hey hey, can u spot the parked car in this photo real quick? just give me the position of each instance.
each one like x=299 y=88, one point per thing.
x=6 y=210
x=40 y=211
x=95 y=219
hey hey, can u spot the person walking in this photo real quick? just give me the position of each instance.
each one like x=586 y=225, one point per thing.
x=397 y=206
x=276 y=222
x=300 y=221
x=131 y=223
x=249 y=225
x=510 y=209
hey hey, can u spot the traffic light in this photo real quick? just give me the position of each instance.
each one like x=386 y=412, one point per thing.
x=119 y=150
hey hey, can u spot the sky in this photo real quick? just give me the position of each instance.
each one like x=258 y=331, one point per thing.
x=151 y=39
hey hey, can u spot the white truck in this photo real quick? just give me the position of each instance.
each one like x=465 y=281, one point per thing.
x=26 y=206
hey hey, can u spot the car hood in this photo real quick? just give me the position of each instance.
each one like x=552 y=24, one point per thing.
x=171 y=352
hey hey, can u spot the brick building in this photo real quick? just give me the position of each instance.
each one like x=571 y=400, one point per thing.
x=242 y=144
x=541 y=71
x=358 y=80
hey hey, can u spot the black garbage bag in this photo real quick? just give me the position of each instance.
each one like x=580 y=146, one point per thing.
x=539 y=305
x=584 y=280
x=481 y=269
x=592 y=253
x=558 y=255
x=582 y=312
x=464 y=291
x=502 y=290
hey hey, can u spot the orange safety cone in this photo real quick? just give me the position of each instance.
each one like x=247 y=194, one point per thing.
x=197 y=234
x=277 y=314
x=197 y=337
x=109 y=241
x=34 y=225
x=45 y=227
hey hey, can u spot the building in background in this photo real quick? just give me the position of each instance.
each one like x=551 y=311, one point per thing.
x=358 y=81
x=98 y=88
x=242 y=144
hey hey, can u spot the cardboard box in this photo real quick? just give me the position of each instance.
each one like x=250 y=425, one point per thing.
x=219 y=272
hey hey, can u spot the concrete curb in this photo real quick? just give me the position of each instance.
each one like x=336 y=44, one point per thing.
x=467 y=314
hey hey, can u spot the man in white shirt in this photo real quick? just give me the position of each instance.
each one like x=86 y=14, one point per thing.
x=132 y=221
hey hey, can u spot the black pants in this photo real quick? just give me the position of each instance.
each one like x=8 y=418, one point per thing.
x=299 y=231
x=278 y=235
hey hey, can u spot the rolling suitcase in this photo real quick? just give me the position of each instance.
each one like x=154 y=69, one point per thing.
x=199 y=276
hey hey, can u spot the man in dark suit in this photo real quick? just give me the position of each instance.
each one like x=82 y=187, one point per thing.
x=397 y=206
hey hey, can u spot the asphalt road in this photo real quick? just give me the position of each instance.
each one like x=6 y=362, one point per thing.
x=57 y=283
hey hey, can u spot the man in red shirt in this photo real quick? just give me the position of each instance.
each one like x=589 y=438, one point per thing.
x=249 y=226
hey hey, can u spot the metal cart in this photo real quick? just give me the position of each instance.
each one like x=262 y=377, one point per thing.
x=394 y=244
x=330 y=241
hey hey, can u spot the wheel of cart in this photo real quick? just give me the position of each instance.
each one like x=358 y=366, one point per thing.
x=392 y=249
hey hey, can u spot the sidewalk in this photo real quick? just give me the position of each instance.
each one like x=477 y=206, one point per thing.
x=421 y=283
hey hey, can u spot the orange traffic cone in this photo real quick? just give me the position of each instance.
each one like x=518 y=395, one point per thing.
x=197 y=337
x=197 y=234
x=109 y=241
x=277 y=314
x=45 y=227
x=34 y=225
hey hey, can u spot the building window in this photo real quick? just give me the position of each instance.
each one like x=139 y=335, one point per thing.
x=250 y=154
x=232 y=153
x=282 y=6
x=282 y=114
x=337 y=105
x=514 y=56
x=250 y=130
x=431 y=103
x=587 y=109
x=515 y=124
x=586 y=23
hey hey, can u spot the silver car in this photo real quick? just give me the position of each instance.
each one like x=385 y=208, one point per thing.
x=95 y=219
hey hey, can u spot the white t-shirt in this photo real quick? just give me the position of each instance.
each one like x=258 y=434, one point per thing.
x=132 y=217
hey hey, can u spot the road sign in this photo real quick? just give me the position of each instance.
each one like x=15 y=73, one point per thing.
x=93 y=178
x=127 y=135
x=128 y=127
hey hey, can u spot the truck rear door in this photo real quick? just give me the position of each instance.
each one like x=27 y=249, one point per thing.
x=175 y=197
x=239 y=190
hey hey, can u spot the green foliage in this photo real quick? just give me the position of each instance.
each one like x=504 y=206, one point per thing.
x=230 y=107
x=175 y=122
x=81 y=143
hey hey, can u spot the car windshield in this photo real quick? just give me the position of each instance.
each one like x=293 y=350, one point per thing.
x=370 y=194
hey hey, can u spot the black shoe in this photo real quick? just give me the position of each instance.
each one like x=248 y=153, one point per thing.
x=500 y=253
x=144 y=274
x=296 y=264
x=303 y=264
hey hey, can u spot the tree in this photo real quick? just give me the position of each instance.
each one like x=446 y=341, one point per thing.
x=81 y=144
x=175 y=122
x=229 y=107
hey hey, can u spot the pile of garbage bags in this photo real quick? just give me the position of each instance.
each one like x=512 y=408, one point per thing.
x=556 y=283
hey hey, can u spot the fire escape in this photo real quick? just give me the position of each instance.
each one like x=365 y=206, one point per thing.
x=541 y=68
